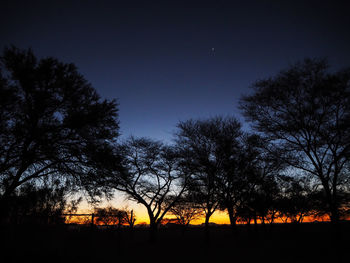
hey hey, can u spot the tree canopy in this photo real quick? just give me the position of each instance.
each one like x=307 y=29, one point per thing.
x=304 y=112
x=52 y=123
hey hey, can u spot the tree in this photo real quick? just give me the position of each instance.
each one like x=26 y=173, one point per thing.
x=150 y=177
x=40 y=204
x=297 y=199
x=260 y=202
x=185 y=210
x=208 y=148
x=238 y=176
x=130 y=217
x=304 y=112
x=246 y=181
x=110 y=216
x=53 y=123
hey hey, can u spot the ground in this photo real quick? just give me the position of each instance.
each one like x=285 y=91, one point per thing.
x=312 y=242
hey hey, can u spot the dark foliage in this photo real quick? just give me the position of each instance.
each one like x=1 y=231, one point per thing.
x=151 y=175
x=53 y=123
x=304 y=112
x=45 y=204
x=207 y=149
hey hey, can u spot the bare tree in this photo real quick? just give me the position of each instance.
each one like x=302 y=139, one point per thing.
x=110 y=216
x=151 y=176
x=185 y=210
x=130 y=217
x=304 y=112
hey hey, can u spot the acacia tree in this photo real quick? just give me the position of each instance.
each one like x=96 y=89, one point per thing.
x=208 y=149
x=304 y=112
x=110 y=216
x=52 y=123
x=39 y=204
x=258 y=171
x=151 y=175
x=298 y=198
x=185 y=210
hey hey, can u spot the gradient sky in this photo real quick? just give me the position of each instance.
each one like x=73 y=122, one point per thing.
x=168 y=62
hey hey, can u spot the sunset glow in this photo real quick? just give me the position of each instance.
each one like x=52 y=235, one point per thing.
x=219 y=217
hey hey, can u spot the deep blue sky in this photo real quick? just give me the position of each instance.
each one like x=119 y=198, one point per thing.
x=170 y=62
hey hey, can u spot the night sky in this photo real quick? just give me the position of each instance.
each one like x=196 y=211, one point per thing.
x=170 y=62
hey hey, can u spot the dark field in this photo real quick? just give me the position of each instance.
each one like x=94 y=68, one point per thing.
x=314 y=242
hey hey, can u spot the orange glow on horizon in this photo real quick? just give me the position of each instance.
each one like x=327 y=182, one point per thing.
x=219 y=217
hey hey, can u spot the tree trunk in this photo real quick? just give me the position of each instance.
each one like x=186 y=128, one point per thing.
x=331 y=199
x=334 y=213
x=153 y=228
x=206 y=226
x=272 y=220
x=5 y=209
x=255 y=219
x=233 y=219
x=207 y=217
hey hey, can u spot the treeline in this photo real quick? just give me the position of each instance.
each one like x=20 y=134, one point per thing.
x=293 y=162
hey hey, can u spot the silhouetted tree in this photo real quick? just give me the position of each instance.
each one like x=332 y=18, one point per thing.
x=239 y=176
x=110 y=216
x=204 y=145
x=185 y=210
x=130 y=217
x=254 y=171
x=40 y=204
x=262 y=200
x=304 y=112
x=150 y=176
x=52 y=122
x=228 y=167
x=297 y=200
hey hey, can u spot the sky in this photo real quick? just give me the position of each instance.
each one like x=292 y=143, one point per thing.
x=169 y=61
